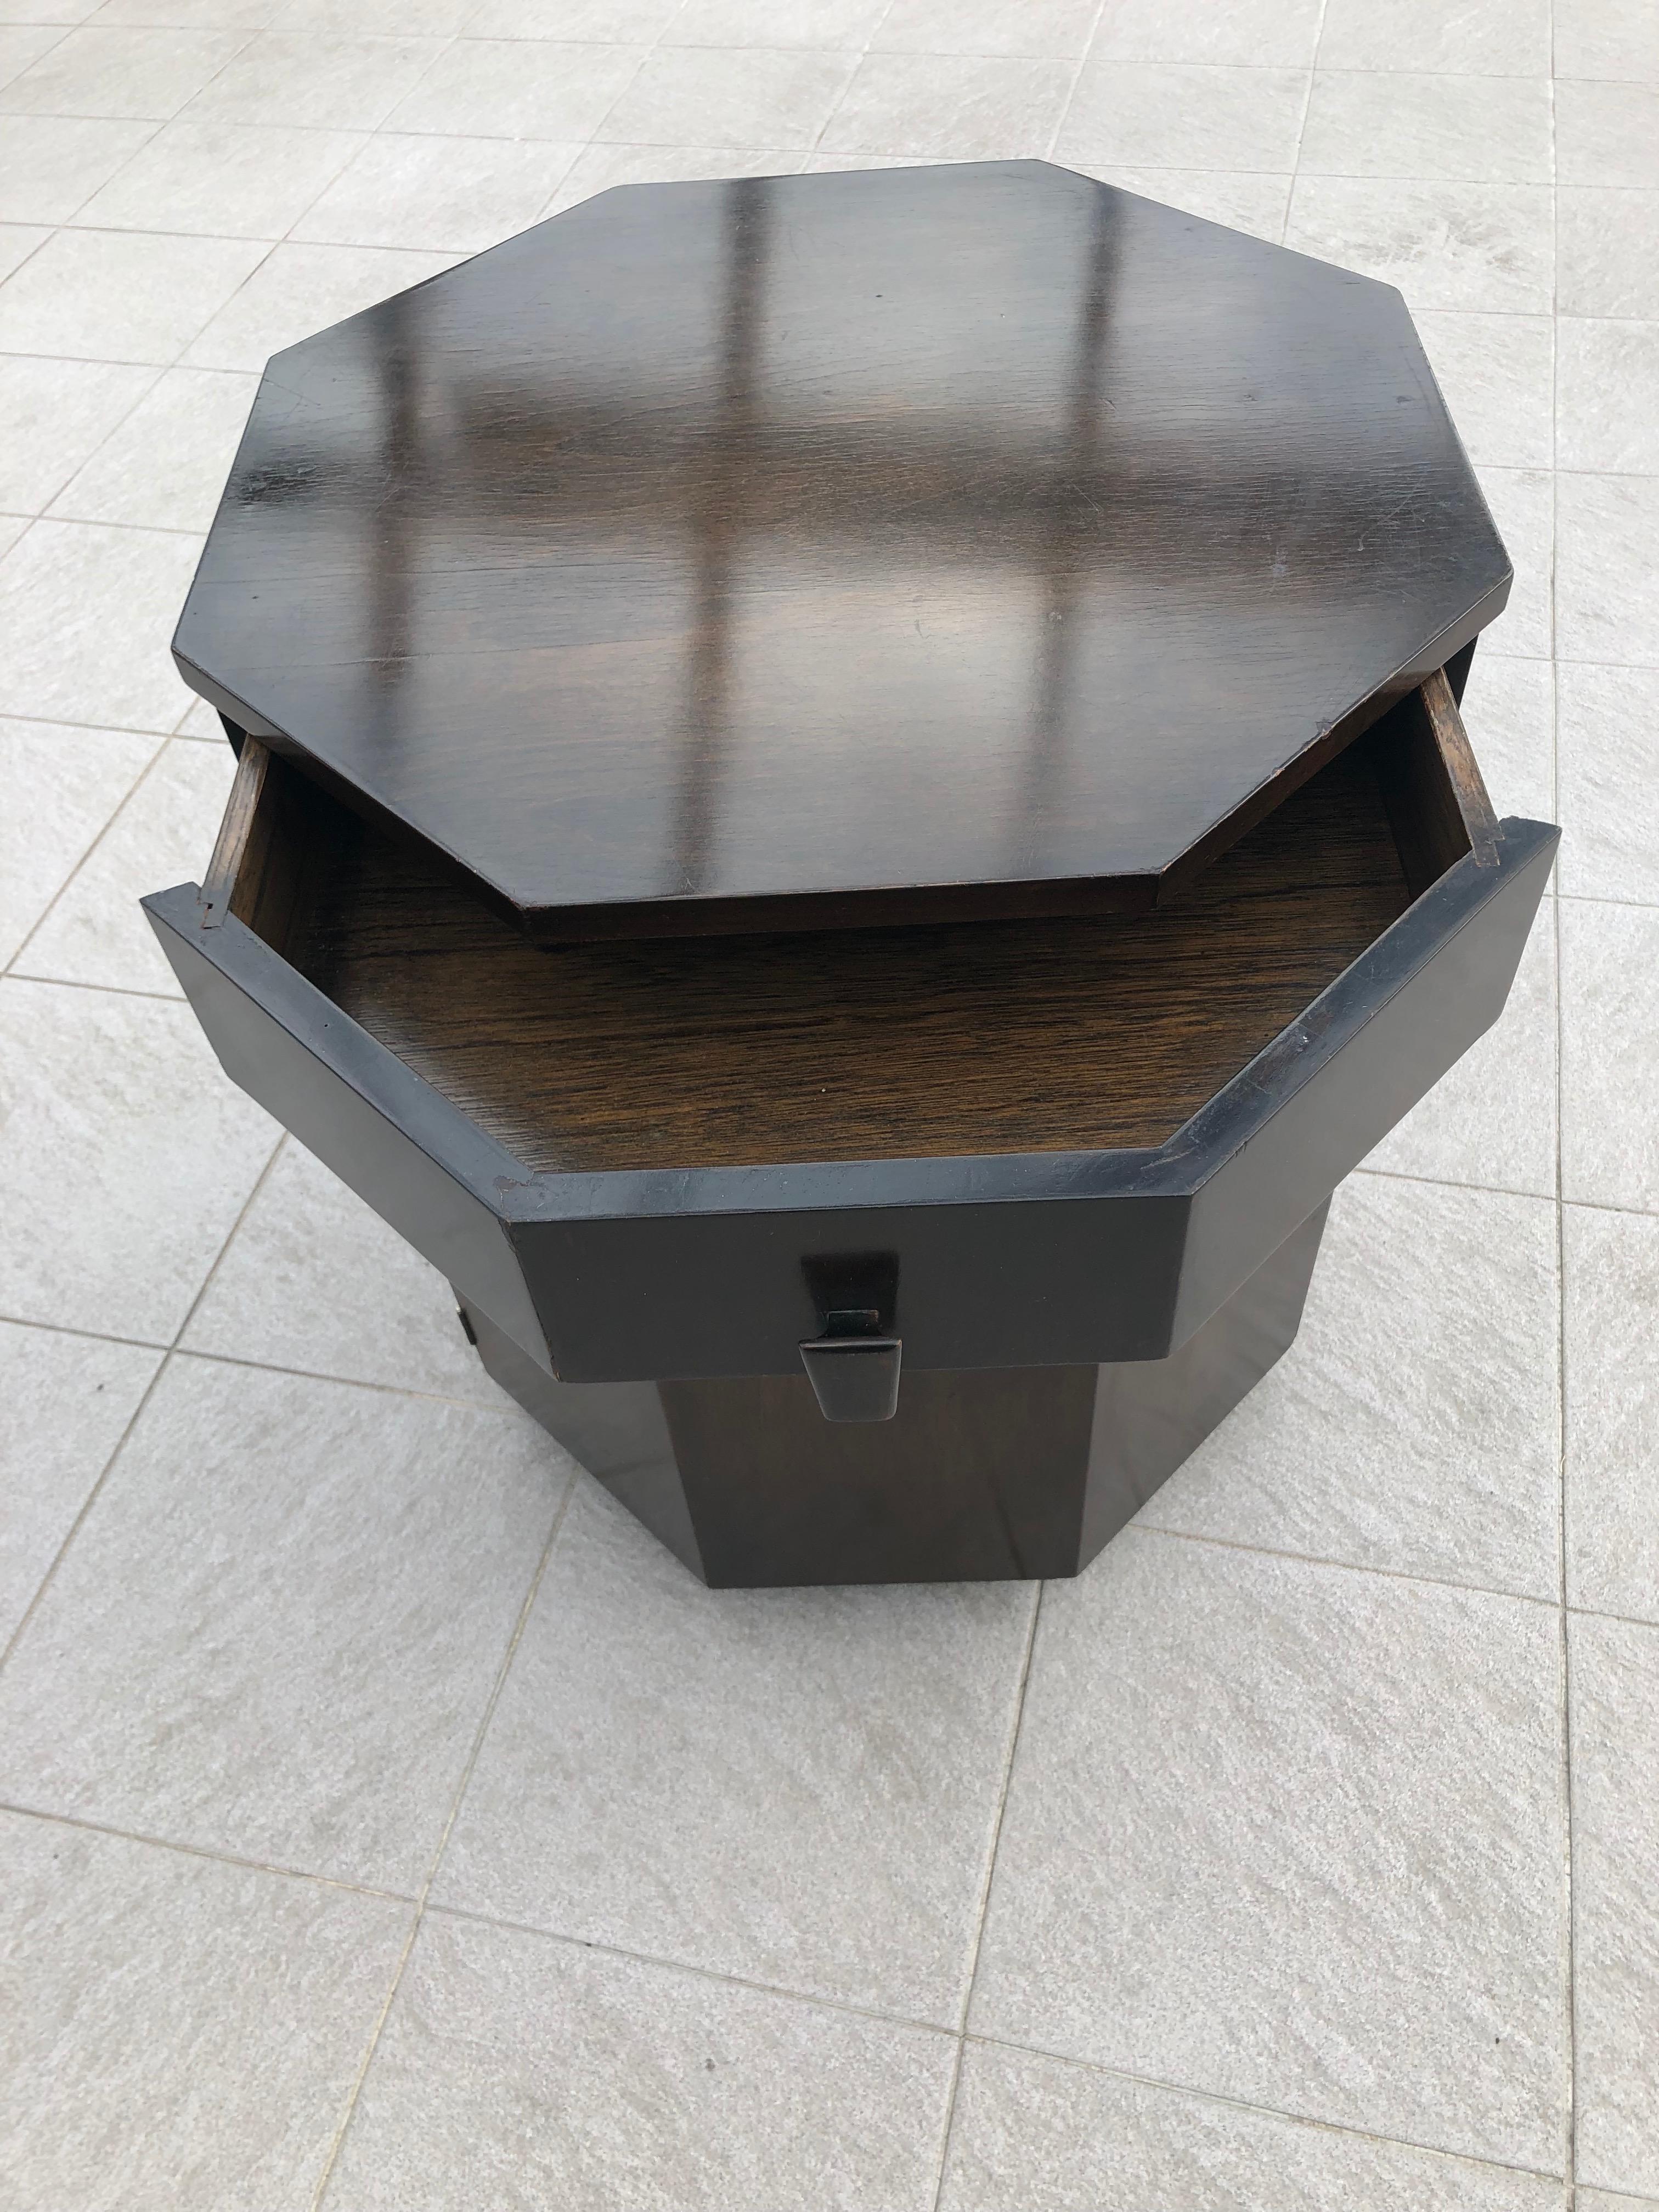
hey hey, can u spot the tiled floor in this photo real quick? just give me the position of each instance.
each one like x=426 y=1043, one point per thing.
x=385 y=1819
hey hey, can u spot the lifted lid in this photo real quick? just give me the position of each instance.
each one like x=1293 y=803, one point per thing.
x=806 y=551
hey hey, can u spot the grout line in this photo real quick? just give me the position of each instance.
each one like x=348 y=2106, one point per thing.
x=1580 y=1204
x=107 y=729
x=49 y=49
x=510 y=1410
x=148 y=529
x=15 y=975
x=263 y=1366
x=1568 y=1962
x=1302 y=121
x=840 y=101
x=10 y=967
x=482 y=1731
x=985 y=1887
x=1269 y=2111
x=1453 y=1182
x=46 y=912
x=725 y=1977
x=203 y=1852
x=1061 y=122
x=1339 y=1566
x=149 y=1390
x=91 y=1335
x=645 y=52
x=1650 y=1621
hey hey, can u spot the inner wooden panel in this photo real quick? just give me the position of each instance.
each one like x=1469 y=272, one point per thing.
x=981 y=1038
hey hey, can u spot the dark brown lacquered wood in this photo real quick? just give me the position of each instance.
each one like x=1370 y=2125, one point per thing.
x=978 y=1475
x=1064 y=1034
x=842 y=549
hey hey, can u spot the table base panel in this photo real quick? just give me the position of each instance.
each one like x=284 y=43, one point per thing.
x=983 y=1474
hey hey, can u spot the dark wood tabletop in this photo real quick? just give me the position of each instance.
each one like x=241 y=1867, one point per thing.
x=813 y=550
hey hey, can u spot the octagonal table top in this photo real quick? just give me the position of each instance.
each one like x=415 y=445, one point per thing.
x=801 y=550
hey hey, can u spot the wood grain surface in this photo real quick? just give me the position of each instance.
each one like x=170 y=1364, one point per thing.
x=983 y=1037
x=972 y=534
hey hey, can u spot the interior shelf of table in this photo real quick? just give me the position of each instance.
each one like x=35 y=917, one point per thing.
x=1004 y=1037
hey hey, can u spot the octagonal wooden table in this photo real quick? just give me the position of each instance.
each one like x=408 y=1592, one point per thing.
x=852 y=807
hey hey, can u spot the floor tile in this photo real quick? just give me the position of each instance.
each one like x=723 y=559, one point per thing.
x=1607 y=134
x=515 y=2066
x=457 y=195
x=56 y=412
x=1609 y=796
x=1491 y=1120
x=1498 y=374
x=165 y=467
x=708 y=96
x=12 y=528
x=336 y=84
x=1291 y=1834
x=1603 y=2200
x=1616 y=38
x=202 y=723
x=1508 y=706
x=122 y=73
x=795 y=1786
x=1240 y=199
x=120 y=295
x=234 y=179
x=1261 y=33
x=64 y=1403
x=59 y=788
x=1482 y=38
x=276 y=1632
x=315 y=1279
x=1456 y=1478
x=1185 y=115
x=50 y=164
x=1466 y=247
x=301 y=289
x=21 y=45
x=1477 y=130
x=837 y=164
x=601 y=166
x=440 y=18
x=1607 y=553
x=1607 y=396
x=508 y=88
x=1607 y=252
x=183 y=2036
x=1610 y=1016
x=1036 y=30
x=125 y=1157
x=1614 y=1672
x=96 y=932
x=576 y=22
x=1032 y=2134
x=1523 y=506
x=18 y=240
x=189 y=14
x=1613 y=1410
x=824 y=24
x=86 y=612
x=953 y=107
